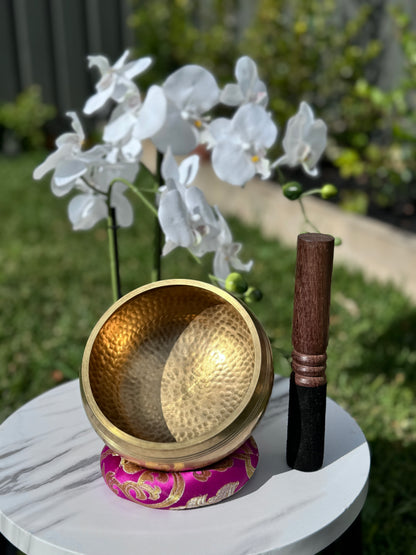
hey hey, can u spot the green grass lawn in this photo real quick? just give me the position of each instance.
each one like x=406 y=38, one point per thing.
x=54 y=285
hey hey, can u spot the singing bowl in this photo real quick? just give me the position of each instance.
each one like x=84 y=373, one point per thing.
x=176 y=375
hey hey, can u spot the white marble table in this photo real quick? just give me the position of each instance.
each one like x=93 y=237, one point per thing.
x=53 y=500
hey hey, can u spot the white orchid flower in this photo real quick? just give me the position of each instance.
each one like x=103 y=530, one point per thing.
x=304 y=141
x=133 y=121
x=191 y=92
x=186 y=218
x=226 y=253
x=69 y=162
x=90 y=206
x=248 y=88
x=86 y=209
x=116 y=81
x=240 y=144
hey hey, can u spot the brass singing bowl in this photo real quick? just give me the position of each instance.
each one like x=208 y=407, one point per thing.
x=176 y=375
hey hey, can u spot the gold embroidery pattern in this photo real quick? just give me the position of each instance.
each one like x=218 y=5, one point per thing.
x=220 y=466
x=144 y=491
x=245 y=456
x=107 y=453
x=223 y=493
x=129 y=467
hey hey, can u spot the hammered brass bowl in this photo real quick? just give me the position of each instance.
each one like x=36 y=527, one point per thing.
x=176 y=375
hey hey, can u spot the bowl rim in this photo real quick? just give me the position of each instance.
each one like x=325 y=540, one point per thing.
x=116 y=437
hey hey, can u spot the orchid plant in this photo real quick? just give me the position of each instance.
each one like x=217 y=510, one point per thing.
x=176 y=117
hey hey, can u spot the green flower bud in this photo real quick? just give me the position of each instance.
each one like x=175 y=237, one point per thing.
x=253 y=295
x=292 y=190
x=337 y=241
x=328 y=191
x=235 y=283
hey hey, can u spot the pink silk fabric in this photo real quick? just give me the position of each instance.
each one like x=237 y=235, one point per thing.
x=179 y=490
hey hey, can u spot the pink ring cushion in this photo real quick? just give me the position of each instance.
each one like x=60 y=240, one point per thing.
x=179 y=490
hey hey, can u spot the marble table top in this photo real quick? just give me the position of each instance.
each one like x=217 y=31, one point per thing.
x=54 y=501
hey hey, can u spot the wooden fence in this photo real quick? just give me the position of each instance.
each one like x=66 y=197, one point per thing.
x=47 y=41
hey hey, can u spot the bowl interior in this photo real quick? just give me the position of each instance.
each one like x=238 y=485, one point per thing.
x=172 y=364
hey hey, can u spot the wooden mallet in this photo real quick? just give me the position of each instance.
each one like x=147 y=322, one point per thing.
x=307 y=396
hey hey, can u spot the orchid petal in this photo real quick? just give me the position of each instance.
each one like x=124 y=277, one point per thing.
x=193 y=88
x=122 y=60
x=246 y=74
x=225 y=232
x=221 y=267
x=316 y=138
x=67 y=171
x=132 y=69
x=260 y=95
x=196 y=203
x=169 y=168
x=226 y=255
x=101 y=62
x=97 y=100
x=61 y=190
x=236 y=262
x=188 y=169
x=313 y=172
x=152 y=114
x=132 y=150
x=263 y=168
x=124 y=210
x=172 y=218
x=220 y=128
x=180 y=135
x=119 y=128
x=85 y=210
x=281 y=161
x=76 y=125
x=255 y=125
x=295 y=130
x=231 y=95
x=168 y=247
x=51 y=162
x=109 y=173
x=306 y=111
x=68 y=140
x=121 y=90
x=232 y=164
x=94 y=154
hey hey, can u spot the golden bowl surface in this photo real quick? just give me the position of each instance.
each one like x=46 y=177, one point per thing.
x=176 y=374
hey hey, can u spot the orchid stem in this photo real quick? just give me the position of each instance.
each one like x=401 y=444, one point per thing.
x=113 y=252
x=216 y=280
x=311 y=192
x=280 y=176
x=307 y=220
x=136 y=191
x=157 y=254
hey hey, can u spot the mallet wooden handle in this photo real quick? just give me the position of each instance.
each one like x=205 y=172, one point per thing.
x=307 y=397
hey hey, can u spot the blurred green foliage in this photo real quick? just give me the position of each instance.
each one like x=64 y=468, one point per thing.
x=181 y=32
x=25 y=117
x=305 y=50
x=383 y=151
